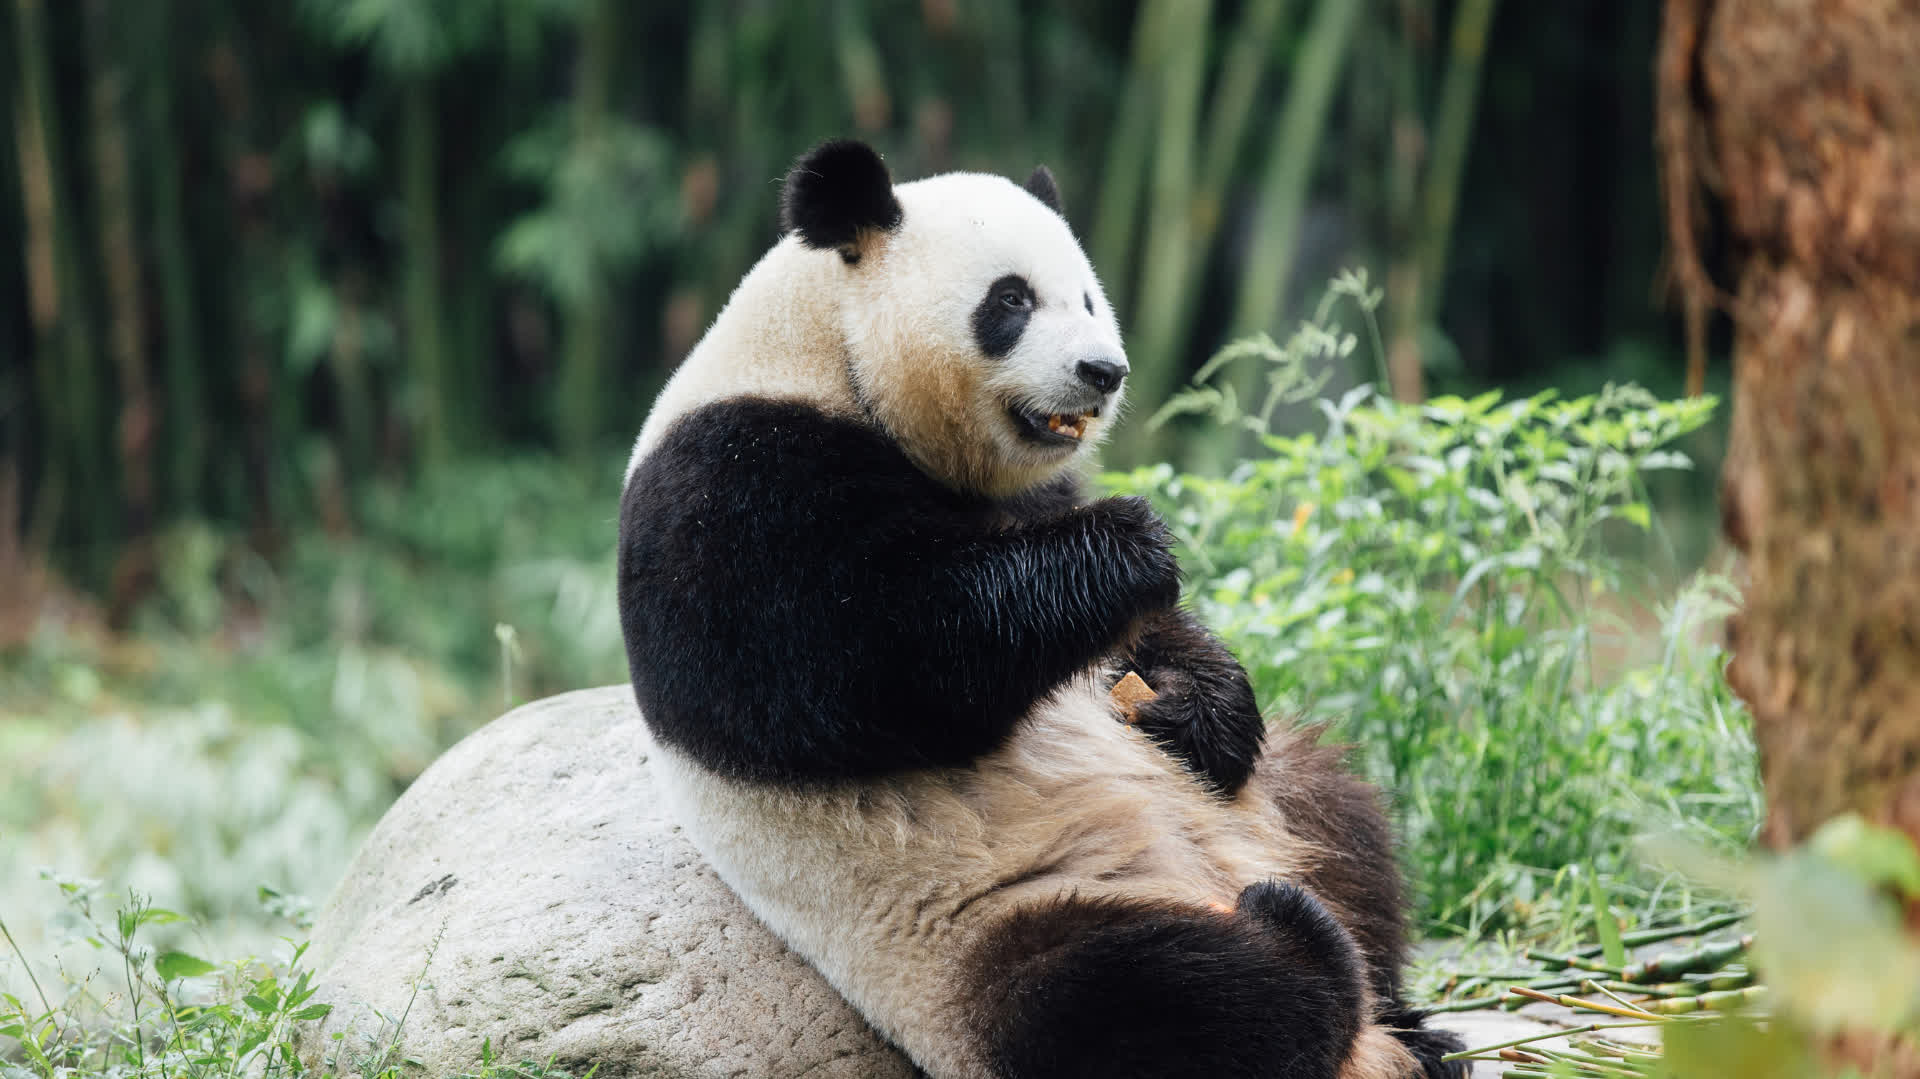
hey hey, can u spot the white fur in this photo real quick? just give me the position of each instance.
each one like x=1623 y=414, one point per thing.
x=804 y=324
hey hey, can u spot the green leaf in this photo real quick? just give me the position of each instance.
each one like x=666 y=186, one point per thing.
x=1736 y=1045
x=1882 y=857
x=258 y=1003
x=316 y=1011
x=1604 y=924
x=171 y=965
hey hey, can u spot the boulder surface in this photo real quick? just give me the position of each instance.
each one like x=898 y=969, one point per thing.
x=531 y=892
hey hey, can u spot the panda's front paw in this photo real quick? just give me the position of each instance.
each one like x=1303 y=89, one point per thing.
x=1140 y=551
x=1206 y=719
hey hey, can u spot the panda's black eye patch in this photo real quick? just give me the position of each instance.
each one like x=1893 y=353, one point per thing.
x=1001 y=315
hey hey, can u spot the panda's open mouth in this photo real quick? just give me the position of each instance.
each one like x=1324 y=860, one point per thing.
x=1050 y=428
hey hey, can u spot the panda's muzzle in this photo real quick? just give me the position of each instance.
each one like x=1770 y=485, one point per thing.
x=1098 y=380
x=1050 y=428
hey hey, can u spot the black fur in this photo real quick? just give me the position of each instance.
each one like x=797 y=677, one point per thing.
x=1041 y=186
x=1354 y=873
x=1205 y=713
x=1112 y=987
x=801 y=603
x=1427 y=1046
x=1002 y=314
x=839 y=189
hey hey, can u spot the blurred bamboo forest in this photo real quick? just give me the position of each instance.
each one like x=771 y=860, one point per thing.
x=272 y=252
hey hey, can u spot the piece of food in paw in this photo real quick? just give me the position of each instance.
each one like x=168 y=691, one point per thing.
x=1129 y=693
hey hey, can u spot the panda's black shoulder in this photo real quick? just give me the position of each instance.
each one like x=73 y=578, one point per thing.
x=771 y=464
x=768 y=439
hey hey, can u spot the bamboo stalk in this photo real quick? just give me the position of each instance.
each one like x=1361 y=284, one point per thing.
x=65 y=373
x=1007 y=35
x=1123 y=175
x=348 y=358
x=1588 y=1028
x=422 y=283
x=1158 y=361
x=1567 y=1000
x=1724 y=1000
x=1701 y=928
x=583 y=372
x=35 y=155
x=1242 y=70
x=185 y=434
x=1289 y=170
x=127 y=329
x=1452 y=130
x=1229 y=115
x=1671 y=965
x=1405 y=158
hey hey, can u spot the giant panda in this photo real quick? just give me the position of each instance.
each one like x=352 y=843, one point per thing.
x=872 y=620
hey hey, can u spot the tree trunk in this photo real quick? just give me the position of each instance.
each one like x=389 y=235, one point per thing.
x=1808 y=116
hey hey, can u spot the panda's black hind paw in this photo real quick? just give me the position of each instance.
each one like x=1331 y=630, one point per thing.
x=1427 y=1045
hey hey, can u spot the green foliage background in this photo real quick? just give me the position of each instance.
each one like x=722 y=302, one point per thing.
x=271 y=253
x=331 y=319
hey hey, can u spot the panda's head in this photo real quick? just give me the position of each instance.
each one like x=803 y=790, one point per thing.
x=974 y=329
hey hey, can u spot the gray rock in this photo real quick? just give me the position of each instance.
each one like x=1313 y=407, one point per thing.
x=565 y=916
x=528 y=891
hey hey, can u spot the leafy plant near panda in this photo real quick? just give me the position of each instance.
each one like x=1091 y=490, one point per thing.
x=1437 y=582
x=149 y=1011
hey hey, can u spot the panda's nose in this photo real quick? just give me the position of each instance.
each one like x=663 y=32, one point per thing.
x=1102 y=375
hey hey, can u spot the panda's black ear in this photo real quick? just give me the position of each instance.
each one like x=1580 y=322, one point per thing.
x=839 y=190
x=1041 y=186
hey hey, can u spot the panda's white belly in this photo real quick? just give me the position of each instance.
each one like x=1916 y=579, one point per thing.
x=882 y=886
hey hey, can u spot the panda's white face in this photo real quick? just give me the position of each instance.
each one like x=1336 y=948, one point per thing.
x=978 y=335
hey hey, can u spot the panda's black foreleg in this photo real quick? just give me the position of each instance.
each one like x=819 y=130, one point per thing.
x=1204 y=712
x=1084 y=987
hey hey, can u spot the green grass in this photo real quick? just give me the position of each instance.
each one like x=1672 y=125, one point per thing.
x=149 y=1011
x=266 y=712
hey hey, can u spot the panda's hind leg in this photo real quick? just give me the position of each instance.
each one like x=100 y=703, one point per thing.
x=1356 y=874
x=1103 y=987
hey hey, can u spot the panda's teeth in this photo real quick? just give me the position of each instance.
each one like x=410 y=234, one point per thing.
x=1072 y=428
